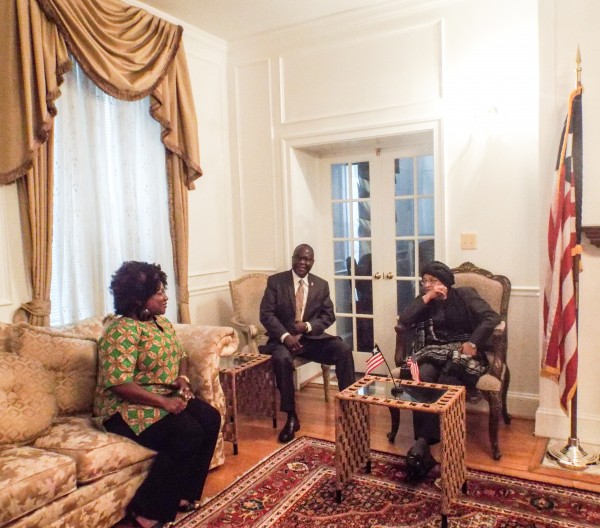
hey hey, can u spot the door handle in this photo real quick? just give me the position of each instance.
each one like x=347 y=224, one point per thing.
x=377 y=276
x=389 y=275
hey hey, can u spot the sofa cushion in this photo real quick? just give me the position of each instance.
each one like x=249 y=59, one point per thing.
x=27 y=402
x=95 y=452
x=71 y=360
x=31 y=478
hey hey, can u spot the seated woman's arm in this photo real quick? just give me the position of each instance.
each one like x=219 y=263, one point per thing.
x=134 y=393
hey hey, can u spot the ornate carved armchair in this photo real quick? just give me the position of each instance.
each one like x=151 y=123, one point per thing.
x=493 y=385
x=246 y=295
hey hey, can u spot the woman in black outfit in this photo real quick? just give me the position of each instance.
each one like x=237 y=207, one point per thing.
x=453 y=326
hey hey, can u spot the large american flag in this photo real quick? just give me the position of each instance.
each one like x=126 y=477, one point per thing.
x=559 y=360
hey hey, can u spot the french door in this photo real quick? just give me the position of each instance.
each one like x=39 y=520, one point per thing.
x=382 y=207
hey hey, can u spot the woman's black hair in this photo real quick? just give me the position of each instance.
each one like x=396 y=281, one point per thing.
x=133 y=284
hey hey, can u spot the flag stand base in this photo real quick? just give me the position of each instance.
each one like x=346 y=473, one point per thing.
x=572 y=456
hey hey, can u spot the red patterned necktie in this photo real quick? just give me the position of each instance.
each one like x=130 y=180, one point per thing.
x=299 y=300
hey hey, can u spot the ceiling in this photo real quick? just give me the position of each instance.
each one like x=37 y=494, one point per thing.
x=236 y=19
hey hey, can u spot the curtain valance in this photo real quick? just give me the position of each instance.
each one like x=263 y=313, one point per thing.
x=126 y=51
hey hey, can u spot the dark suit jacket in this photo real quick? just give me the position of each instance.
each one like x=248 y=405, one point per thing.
x=278 y=307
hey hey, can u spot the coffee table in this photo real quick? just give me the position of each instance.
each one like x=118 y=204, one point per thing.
x=249 y=386
x=352 y=435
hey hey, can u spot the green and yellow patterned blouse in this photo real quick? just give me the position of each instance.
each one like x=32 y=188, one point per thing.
x=140 y=351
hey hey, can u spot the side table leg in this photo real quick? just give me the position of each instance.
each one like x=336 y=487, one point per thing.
x=444 y=523
x=368 y=467
x=338 y=496
x=235 y=448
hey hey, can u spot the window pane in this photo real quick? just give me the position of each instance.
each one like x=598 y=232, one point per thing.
x=343 y=295
x=405 y=258
x=404 y=176
x=426 y=216
x=341 y=250
x=425 y=174
x=339 y=182
x=405 y=217
x=344 y=330
x=341 y=220
x=406 y=294
x=361 y=182
x=364 y=334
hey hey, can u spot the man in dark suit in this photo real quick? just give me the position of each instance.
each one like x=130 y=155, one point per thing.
x=296 y=309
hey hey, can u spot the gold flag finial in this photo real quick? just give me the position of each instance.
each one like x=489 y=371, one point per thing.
x=578 y=62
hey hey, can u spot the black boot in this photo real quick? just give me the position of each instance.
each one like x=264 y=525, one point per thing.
x=291 y=426
x=419 y=461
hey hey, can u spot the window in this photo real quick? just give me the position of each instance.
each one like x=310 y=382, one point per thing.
x=110 y=197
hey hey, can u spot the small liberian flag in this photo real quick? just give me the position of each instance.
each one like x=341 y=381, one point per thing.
x=375 y=360
x=414 y=368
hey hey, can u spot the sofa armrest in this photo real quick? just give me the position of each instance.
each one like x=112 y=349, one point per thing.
x=204 y=346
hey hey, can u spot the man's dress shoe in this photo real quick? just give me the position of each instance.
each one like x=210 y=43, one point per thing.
x=291 y=426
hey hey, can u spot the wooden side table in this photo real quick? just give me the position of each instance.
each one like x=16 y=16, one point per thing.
x=249 y=386
x=352 y=435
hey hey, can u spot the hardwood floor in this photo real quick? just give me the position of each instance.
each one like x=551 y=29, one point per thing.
x=522 y=451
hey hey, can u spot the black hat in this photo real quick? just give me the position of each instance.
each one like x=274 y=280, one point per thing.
x=440 y=271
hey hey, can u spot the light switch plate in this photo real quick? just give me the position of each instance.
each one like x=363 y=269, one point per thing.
x=468 y=241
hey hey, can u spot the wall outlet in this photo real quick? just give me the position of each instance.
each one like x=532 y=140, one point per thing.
x=468 y=241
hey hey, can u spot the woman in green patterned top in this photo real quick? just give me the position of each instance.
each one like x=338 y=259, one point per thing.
x=144 y=393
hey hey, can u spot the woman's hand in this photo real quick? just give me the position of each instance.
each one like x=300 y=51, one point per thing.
x=174 y=404
x=435 y=291
x=184 y=390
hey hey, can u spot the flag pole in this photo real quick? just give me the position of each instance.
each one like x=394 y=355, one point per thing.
x=573 y=456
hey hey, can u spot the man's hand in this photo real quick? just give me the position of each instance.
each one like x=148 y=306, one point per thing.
x=293 y=343
x=300 y=327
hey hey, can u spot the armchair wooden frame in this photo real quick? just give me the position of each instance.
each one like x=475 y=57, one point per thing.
x=493 y=385
x=246 y=295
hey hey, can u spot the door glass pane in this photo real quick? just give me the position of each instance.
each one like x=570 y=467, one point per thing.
x=339 y=182
x=426 y=253
x=343 y=295
x=363 y=267
x=341 y=250
x=405 y=225
x=344 y=330
x=405 y=258
x=362 y=224
x=404 y=177
x=406 y=293
x=341 y=219
x=364 y=296
x=426 y=216
x=364 y=334
x=425 y=174
x=361 y=182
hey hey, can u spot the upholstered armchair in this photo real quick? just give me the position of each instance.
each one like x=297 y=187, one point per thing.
x=246 y=295
x=493 y=385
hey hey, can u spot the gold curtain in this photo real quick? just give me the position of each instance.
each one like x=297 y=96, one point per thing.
x=129 y=54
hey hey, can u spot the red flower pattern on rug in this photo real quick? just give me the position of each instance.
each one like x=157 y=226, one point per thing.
x=295 y=488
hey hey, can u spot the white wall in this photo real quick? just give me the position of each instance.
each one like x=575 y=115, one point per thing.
x=353 y=77
x=493 y=79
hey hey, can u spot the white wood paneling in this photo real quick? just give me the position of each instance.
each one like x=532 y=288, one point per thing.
x=363 y=74
x=258 y=206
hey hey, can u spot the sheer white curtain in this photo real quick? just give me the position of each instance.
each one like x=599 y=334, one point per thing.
x=110 y=198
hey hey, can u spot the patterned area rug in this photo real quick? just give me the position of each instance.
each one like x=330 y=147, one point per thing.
x=295 y=488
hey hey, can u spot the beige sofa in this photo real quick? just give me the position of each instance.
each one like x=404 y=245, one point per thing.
x=56 y=468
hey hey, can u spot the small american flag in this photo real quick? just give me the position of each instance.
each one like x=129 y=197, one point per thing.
x=414 y=368
x=375 y=360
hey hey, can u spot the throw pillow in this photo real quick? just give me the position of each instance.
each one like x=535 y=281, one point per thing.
x=70 y=359
x=27 y=402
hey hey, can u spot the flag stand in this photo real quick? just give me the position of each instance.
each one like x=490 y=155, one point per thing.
x=573 y=456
